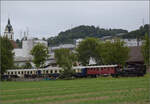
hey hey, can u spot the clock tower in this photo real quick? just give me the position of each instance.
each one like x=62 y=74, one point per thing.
x=9 y=31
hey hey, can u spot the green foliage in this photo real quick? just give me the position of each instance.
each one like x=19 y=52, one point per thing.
x=103 y=53
x=40 y=54
x=139 y=33
x=82 y=32
x=65 y=59
x=19 y=43
x=27 y=65
x=86 y=49
x=7 y=60
x=114 y=53
x=146 y=50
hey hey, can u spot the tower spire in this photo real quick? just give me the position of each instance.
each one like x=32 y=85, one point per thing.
x=8 y=21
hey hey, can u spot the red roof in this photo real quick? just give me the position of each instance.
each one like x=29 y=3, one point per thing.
x=14 y=44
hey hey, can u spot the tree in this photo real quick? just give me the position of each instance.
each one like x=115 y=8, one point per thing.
x=40 y=55
x=115 y=52
x=87 y=49
x=7 y=59
x=44 y=39
x=19 y=43
x=65 y=59
x=27 y=65
x=146 y=50
x=103 y=52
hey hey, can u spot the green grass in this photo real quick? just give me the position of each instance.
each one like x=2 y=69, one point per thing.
x=133 y=90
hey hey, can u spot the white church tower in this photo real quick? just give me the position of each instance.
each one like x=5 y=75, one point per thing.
x=9 y=31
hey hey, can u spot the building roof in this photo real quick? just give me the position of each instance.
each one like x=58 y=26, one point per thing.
x=14 y=44
x=135 y=54
x=22 y=59
x=63 y=46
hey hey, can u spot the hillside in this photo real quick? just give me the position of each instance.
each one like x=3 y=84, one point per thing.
x=139 y=33
x=69 y=36
x=82 y=31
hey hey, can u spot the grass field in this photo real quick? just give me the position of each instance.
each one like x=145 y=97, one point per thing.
x=133 y=90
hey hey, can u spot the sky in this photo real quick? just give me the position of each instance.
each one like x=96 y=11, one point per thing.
x=48 y=18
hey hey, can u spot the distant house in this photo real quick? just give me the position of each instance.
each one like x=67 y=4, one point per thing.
x=78 y=41
x=135 y=55
x=66 y=46
x=22 y=55
x=13 y=44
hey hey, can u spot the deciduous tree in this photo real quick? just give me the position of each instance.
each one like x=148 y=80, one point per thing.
x=146 y=49
x=115 y=52
x=40 y=55
x=7 y=59
x=87 y=49
x=65 y=59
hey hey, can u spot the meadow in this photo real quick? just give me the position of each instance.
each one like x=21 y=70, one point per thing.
x=106 y=90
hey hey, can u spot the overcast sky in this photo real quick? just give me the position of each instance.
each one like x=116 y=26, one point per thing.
x=48 y=18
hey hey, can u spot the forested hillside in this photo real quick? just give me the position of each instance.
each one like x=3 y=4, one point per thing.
x=82 y=31
x=139 y=33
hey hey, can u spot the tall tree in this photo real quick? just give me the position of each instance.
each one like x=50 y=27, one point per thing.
x=115 y=52
x=40 y=55
x=65 y=59
x=19 y=43
x=7 y=59
x=146 y=50
x=87 y=49
x=103 y=52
